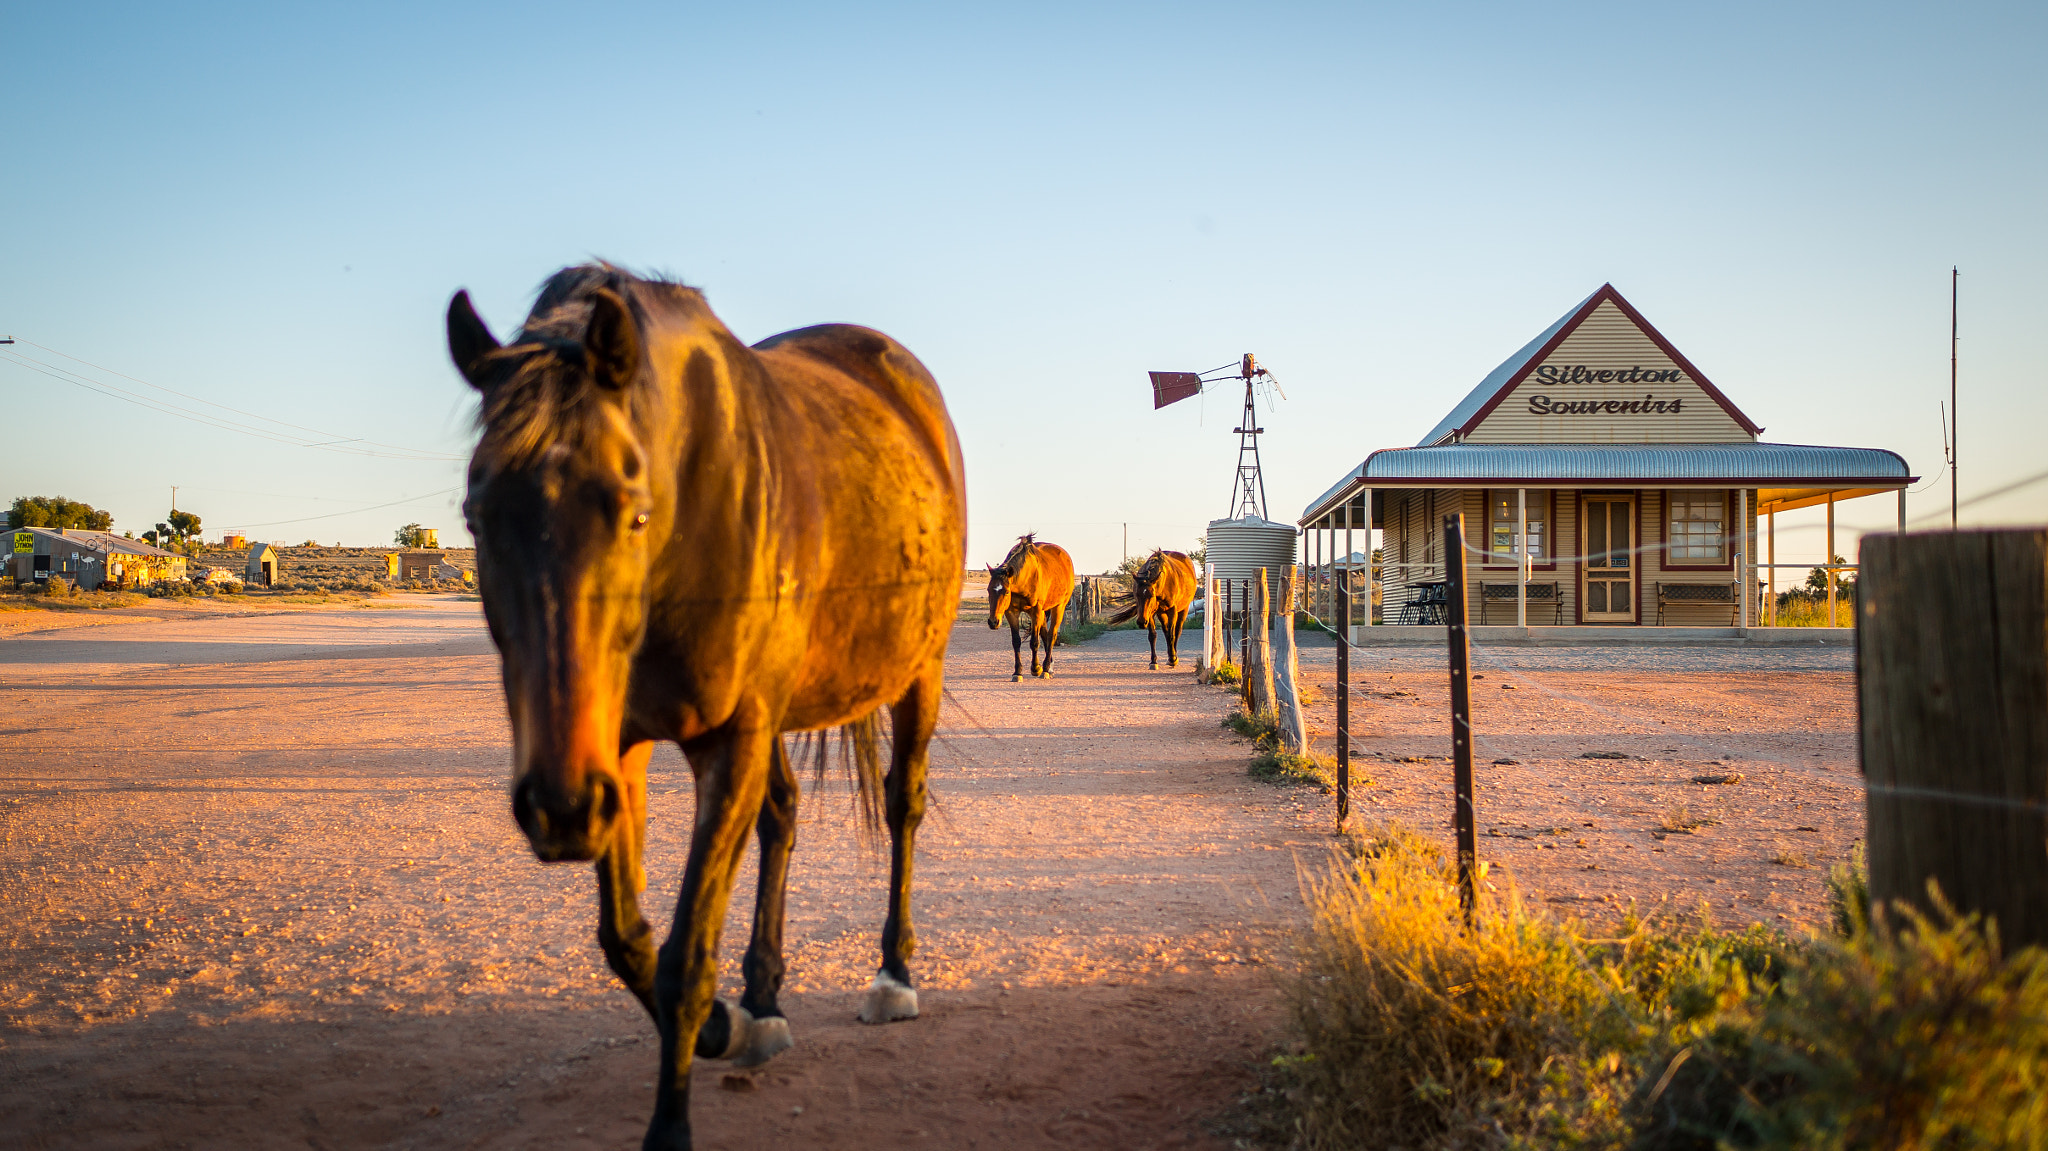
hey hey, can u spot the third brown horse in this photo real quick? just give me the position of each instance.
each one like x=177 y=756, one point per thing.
x=1163 y=586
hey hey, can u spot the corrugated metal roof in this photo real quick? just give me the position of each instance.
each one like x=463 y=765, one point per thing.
x=101 y=541
x=1477 y=397
x=1750 y=464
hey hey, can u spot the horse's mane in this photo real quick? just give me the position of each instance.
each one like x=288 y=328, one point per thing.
x=547 y=398
x=1024 y=543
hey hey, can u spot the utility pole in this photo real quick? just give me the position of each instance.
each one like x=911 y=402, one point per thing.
x=1954 y=417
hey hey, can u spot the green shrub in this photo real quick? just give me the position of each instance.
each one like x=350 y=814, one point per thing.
x=57 y=586
x=1521 y=1031
x=1225 y=673
x=1288 y=769
x=1260 y=729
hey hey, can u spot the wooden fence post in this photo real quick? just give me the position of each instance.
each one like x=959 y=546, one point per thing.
x=1952 y=693
x=1260 y=613
x=1460 y=643
x=1286 y=674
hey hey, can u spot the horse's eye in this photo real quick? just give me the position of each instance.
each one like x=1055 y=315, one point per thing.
x=639 y=521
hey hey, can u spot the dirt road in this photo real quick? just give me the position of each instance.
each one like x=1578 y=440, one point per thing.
x=260 y=889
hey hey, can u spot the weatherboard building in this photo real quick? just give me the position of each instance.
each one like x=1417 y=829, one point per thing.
x=1609 y=472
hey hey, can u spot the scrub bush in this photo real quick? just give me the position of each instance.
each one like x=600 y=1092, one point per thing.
x=1523 y=1031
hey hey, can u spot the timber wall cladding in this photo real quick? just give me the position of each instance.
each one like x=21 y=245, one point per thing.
x=1610 y=341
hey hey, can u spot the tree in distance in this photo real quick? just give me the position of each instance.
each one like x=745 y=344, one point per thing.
x=410 y=536
x=58 y=512
x=184 y=526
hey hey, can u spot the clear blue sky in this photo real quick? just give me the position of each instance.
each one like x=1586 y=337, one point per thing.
x=268 y=209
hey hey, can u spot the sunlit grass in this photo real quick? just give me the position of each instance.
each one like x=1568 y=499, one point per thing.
x=1522 y=1031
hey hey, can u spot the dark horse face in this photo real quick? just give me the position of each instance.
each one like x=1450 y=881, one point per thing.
x=559 y=503
x=998 y=597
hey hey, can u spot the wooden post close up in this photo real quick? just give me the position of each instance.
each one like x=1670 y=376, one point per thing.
x=1952 y=692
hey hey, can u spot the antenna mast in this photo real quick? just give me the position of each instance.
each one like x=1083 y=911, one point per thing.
x=1248 y=492
x=1955 y=418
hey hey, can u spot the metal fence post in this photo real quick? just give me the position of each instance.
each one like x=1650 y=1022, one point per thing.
x=1343 y=710
x=1461 y=710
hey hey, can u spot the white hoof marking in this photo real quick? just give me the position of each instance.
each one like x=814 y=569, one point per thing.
x=767 y=1037
x=739 y=1021
x=887 y=1000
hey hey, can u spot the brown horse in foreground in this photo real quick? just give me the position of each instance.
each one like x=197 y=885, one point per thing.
x=683 y=538
x=1035 y=579
x=1163 y=586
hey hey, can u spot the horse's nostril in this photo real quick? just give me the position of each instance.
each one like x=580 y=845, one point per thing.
x=527 y=813
x=606 y=802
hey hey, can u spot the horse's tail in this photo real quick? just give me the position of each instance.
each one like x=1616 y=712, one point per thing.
x=860 y=743
x=1130 y=610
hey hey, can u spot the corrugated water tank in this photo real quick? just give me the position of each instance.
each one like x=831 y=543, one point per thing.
x=1239 y=548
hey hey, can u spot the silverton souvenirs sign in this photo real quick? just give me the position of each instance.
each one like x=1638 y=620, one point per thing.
x=1548 y=375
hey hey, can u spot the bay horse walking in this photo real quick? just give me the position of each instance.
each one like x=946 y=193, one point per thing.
x=683 y=538
x=1035 y=579
x=1163 y=588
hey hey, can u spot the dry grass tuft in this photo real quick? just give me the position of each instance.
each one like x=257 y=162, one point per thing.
x=1523 y=1031
x=1723 y=779
x=1679 y=817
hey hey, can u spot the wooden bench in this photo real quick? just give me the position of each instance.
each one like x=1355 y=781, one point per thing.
x=1695 y=595
x=1541 y=595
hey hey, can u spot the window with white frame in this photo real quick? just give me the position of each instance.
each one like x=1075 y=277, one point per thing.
x=1504 y=517
x=1698 y=527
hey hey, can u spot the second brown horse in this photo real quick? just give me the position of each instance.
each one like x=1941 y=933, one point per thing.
x=1164 y=587
x=1035 y=579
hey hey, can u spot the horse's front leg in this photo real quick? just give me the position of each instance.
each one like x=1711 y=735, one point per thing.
x=1177 y=621
x=891 y=996
x=622 y=930
x=1017 y=651
x=732 y=767
x=1053 y=619
x=767 y=1031
x=1152 y=641
x=1037 y=628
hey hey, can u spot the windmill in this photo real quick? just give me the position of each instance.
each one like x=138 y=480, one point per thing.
x=1248 y=490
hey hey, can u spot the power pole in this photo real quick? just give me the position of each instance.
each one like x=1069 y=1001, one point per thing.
x=1954 y=417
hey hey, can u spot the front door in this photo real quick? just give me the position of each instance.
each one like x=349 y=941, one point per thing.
x=1610 y=568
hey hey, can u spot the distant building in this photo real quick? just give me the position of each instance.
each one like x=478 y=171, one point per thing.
x=89 y=559
x=234 y=540
x=263 y=566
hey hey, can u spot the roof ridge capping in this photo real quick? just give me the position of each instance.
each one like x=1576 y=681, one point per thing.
x=1481 y=400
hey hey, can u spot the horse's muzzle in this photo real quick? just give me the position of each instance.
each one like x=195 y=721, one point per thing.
x=567 y=824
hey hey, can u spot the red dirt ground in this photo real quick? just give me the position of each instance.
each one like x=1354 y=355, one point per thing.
x=261 y=889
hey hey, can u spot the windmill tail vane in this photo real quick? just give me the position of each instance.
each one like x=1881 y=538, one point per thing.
x=1248 y=490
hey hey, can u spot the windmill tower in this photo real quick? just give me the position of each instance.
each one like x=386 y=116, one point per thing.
x=1248 y=488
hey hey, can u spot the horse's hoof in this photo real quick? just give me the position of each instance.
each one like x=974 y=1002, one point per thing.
x=1017 y=677
x=767 y=1037
x=888 y=1000
x=739 y=1024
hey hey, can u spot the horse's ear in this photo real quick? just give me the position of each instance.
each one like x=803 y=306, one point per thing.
x=612 y=341
x=469 y=340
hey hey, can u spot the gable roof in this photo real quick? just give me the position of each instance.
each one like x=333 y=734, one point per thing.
x=1500 y=381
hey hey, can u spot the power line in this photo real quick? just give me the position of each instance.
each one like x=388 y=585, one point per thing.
x=353 y=511
x=221 y=423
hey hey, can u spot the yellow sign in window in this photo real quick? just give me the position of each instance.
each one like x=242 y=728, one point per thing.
x=24 y=542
